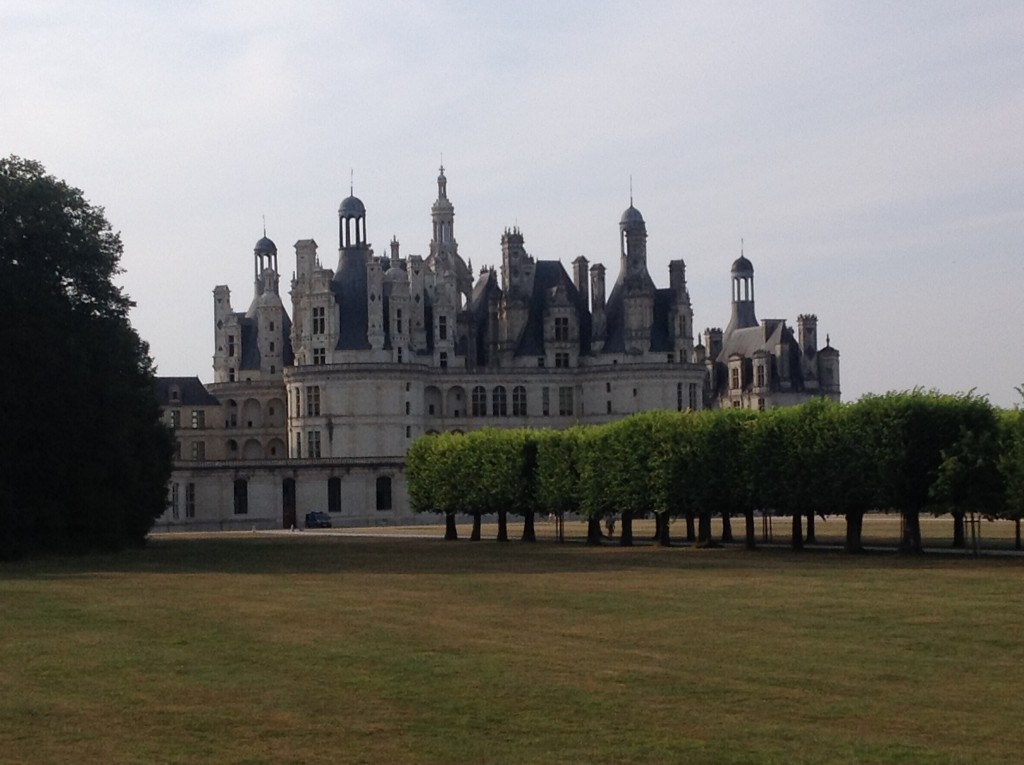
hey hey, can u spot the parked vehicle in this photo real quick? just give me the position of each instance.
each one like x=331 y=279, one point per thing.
x=318 y=520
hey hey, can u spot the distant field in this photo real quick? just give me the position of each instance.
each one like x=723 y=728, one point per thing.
x=303 y=648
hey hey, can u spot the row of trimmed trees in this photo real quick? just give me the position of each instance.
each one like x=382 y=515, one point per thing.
x=912 y=453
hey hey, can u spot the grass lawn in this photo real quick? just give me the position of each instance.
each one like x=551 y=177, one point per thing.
x=309 y=648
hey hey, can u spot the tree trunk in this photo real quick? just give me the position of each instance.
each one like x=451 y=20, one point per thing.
x=664 y=535
x=910 y=542
x=726 y=527
x=1016 y=524
x=475 y=536
x=657 y=527
x=502 y=525
x=854 y=525
x=959 y=537
x=810 y=538
x=797 y=537
x=529 y=533
x=691 y=531
x=450 y=531
x=626 y=538
x=704 y=530
x=594 y=535
x=751 y=530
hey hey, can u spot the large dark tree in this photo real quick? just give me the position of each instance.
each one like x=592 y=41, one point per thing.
x=85 y=459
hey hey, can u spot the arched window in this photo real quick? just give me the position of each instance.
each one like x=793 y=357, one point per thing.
x=479 y=401
x=384 y=493
x=519 y=401
x=499 y=402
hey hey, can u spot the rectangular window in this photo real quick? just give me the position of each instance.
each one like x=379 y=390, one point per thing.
x=734 y=380
x=231 y=345
x=561 y=360
x=545 y=401
x=334 y=495
x=442 y=327
x=190 y=500
x=408 y=406
x=561 y=328
x=271 y=347
x=398 y=321
x=540 y=362
x=565 y=407
x=298 y=445
x=314 y=444
x=198 y=451
x=319 y=356
x=760 y=405
x=760 y=375
x=241 y=496
x=198 y=419
x=175 y=418
x=444 y=360
x=398 y=356
x=319 y=320
x=384 y=493
x=175 y=498
x=312 y=400
x=231 y=374
x=679 y=396
x=177 y=450
x=693 y=396
x=608 y=407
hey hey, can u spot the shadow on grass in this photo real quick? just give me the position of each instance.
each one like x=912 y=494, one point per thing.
x=261 y=554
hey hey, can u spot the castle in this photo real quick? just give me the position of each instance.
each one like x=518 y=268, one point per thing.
x=315 y=410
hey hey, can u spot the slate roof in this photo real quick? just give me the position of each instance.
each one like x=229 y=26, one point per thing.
x=349 y=288
x=549 y=275
x=190 y=392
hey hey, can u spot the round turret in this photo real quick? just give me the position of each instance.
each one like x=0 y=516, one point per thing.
x=352 y=207
x=265 y=246
x=631 y=217
x=742 y=266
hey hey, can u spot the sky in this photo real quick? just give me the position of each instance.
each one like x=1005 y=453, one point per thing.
x=869 y=155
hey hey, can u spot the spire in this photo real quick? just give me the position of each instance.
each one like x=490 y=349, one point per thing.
x=630 y=189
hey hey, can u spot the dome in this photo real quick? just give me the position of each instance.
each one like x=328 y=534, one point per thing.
x=742 y=266
x=631 y=216
x=352 y=207
x=265 y=246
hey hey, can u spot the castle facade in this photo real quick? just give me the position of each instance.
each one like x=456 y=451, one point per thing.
x=314 y=409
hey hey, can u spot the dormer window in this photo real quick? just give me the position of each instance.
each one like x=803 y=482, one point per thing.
x=561 y=328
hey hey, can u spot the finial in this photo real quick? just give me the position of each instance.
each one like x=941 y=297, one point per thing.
x=442 y=163
x=351 y=182
x=828 y=341
x=630 y=189
x=264 y=225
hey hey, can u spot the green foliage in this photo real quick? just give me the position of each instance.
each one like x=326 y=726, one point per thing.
x=901 y=451
x=86 y=460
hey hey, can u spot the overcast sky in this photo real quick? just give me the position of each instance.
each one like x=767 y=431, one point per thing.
x=870 y=155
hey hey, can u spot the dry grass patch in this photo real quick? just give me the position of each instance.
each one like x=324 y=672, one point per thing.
x=334 y=649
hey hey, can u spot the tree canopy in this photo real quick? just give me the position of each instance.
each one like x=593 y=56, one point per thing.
x=85 y=457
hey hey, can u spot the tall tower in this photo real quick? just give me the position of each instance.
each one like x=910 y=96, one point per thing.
x=442 y=214
x=633 y=246
x=742 y=294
